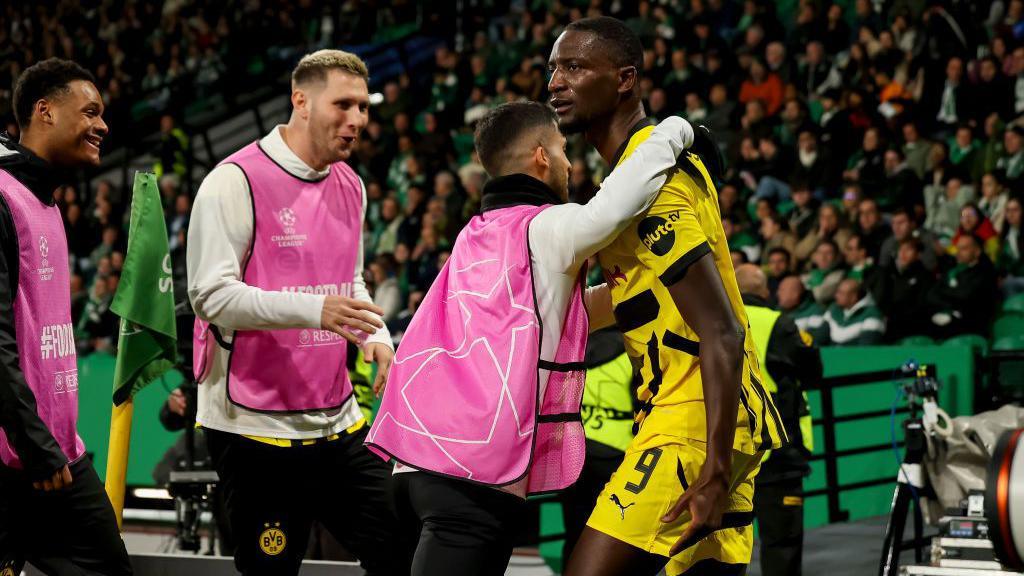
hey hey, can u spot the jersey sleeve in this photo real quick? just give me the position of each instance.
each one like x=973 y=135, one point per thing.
x=671 y=235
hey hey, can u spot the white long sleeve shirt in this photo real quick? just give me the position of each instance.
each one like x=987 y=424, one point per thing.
x=219 y=236
x=562 y=237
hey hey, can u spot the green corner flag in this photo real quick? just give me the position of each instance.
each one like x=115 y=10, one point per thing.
x=146 y=345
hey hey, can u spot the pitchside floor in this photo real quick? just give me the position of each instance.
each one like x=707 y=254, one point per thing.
x=845 y=549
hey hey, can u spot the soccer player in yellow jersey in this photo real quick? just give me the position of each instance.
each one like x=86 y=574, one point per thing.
x=682 y=498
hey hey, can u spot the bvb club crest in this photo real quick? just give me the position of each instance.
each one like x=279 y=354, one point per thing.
x=272 y=539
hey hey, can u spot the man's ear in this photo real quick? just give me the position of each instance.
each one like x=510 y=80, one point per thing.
x=300 y=102
x=45 y=111
x=627 y=79
x=540 y=157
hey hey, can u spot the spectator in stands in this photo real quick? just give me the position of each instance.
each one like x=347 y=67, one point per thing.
x=939 y=168
x=386 y=236
x=815 y=167
x=904 y=228
x=793 y=118
x=902 y=186
x=107 y=244
x=992 y=90
x=780 y=265
x=861 y=267
x=994 y=196
x=763 y=85
x=964 y=150
x=854 y=320
x=954 y=104
x=942 y=207
x=720 y=113
x=97 y=327
x=905 y=288
x=401 y=322
x=776 y=168
x=80 y=234
x=1012 y=160
x=814 y=71
x=171 y=149
x=178 y=221
x=871 y=226
x=992 y=148
x=915 y=149
x=964 y=299
x=79 y=296
x=775 y=234
x=799 y=305
x=867 y=165
x=804 y=215
x=974 y=223
x=386 y=294
x=1011 y=255
x=831 y=226
x=826 y=272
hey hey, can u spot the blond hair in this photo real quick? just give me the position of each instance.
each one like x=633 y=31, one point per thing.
x=314 y=67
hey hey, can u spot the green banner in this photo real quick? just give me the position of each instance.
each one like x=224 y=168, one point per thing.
x=145 y=297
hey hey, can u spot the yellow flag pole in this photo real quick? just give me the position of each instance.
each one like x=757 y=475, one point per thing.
x=117 y=456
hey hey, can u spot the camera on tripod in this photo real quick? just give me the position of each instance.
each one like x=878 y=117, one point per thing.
x=193 y=493
x=924 y=384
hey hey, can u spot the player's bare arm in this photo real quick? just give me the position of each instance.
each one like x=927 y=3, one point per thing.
x=701 y=298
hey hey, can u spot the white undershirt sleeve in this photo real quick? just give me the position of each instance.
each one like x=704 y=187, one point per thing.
x=219 y=235
x=571 y=233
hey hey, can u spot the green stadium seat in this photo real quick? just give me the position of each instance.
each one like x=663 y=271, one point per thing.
x=917 y=341
x=1014 y=303
x=1008 y=324
x=970 y=340
x=1015 y=342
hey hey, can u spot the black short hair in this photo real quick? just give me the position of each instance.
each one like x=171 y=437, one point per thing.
x=621 y=43
x=830 y=242
x=504 y=126
x=780 y=250
x=44 y=80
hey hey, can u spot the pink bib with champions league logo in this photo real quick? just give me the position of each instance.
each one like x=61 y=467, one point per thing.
x=305 y=236
x=42 y=318
x=463 y=397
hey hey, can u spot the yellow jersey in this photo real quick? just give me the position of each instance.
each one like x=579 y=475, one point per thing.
x=652 y=254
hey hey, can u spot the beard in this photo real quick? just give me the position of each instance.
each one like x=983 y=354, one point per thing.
x=559 y=184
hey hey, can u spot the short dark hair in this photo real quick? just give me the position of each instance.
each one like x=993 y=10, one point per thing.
x=621 y=43
x=780 y=250
x=862 y=240
x=504 y=126
x=829 y=242
x=913 y=243
x=44 y=79
x=903 y=211
x=974 y=238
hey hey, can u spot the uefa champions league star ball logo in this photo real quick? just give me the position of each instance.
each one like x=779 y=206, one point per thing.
x=287 y=218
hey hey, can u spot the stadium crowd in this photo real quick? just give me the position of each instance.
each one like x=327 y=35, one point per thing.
x=875 y=150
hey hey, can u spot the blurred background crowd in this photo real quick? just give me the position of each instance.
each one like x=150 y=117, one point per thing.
x=875 y=148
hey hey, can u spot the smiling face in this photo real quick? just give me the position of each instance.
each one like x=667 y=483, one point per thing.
x=76 y=118
x=585 y=82
x=337 y=111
